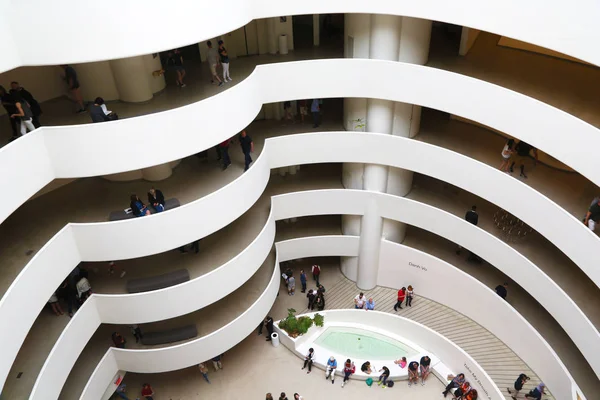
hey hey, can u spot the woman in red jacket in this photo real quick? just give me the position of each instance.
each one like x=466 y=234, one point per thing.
x=401 y=297
x=349 y=369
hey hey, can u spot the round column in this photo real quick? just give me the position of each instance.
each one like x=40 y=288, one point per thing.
x=370 y=243
x=271 y=29
x=132 y=79
x=157 y=172
x=97 y=80
x=350 y=226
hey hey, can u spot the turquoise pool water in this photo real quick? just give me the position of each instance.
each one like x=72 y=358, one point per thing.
x=362 y=344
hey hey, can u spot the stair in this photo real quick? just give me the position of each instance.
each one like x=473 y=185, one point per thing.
x=498 y=360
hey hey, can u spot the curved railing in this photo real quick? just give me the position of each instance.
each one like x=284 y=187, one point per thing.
x=83 y=150
x=108 y=241
x=568 y=28
x=439 y=285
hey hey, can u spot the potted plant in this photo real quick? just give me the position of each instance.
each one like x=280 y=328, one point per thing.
x=295 y=327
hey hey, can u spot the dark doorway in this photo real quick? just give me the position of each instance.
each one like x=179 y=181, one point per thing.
x=445 y=38
x=302 y=26
x=331 y=32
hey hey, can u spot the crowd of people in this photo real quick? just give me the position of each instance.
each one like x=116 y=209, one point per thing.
x=23 y=109
x=283 y=396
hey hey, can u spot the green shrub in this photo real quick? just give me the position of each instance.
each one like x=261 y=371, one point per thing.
x=319 y=320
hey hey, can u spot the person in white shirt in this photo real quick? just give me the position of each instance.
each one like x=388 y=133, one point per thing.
x=298 y=397
x=213 y=62
x=308 y=359
x=506 y=154
x=359 y=301
x=84 y=289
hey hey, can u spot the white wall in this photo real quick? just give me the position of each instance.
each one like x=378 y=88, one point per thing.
x=452 y=356
x=108 y=241
x=81 y=150
x=438 y=281
x=534 y=21
x=182 y=355
x=314 y=246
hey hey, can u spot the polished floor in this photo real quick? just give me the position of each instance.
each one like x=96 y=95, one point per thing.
x=30 y=227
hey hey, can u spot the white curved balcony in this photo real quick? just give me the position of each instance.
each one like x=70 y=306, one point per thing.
x=568 y=28
x=83 y=150
x=105 y=241
x=498 y=317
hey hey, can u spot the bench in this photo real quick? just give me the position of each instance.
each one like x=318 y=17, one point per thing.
x=122 y=215
x=158 y=282
x=170 y=336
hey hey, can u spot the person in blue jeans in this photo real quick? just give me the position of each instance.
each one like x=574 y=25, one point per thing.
x=314 y=109
x=121 y=391
x=384 y=376
x=224 y=152
x=303 y=280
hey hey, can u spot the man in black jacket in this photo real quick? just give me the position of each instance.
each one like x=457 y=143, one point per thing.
x=36 y=110
x=8 y=102
x=472 y=217
x=156 y=200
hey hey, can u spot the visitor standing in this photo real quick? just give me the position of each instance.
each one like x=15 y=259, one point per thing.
x=303 y=280
x=349 y=369
x=507 y=151
x=424 y=364
x=501 y=290
x=370 y=304
x=8 y=103
x=472 y=217
x=303 y=110
x=84 y=289
x=147 y=392
x=316 y=272
x=518 y=386
x=19 y=91
x=522 y=157
x=320 y=301
x=384 y=376
x=55 y=304
x=413 y=373
x=23 y=114
x=224 y=61
x=213 y=62
x=311 y=296
x=287 y=111
x=593 y=215
x=175 y=63
x=314 y=109
x=217 y=364
x=136 y=331
x=118 y=340
x=73 y=84
x=203 y=371
x=401 y=297
x=247 y=147
x=291 y=285
x=309 y=359
x=224 y=152
x=359 y=301
x=330 y=369
x=269 y=326
x=454 y=383
x=410 y=293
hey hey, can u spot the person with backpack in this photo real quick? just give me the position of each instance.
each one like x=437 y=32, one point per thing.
x=330 y=369
x=349 y=369
x=518 y=386
x=384 y=376
x=316 y=271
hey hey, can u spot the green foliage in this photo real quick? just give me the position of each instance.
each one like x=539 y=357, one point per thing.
x=299 y=326
x=319 y=320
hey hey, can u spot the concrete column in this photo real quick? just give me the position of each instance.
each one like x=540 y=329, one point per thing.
x=97 y=80
x=414 y=49
x=350 y=226
x=132 y=80
x=272 y=35
x=316 y=30
x=370 y=243
x=157 y=82
x=157 y=173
